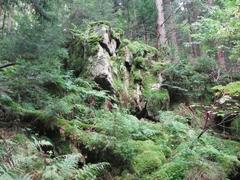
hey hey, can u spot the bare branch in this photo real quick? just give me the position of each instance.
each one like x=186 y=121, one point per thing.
x=7 y=65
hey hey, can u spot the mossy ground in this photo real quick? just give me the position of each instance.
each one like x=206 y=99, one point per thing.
x=168 y=149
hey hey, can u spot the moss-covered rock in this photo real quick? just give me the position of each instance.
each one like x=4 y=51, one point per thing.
x=232 y=89
x=157 y=100
x=91 y=53
x=149 y=157
x=227 y=106
x=142 y=50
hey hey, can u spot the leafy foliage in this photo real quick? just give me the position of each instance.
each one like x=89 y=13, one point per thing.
x=59 y=125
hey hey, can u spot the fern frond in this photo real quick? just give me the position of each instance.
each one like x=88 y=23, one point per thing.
x=91 y=171
x=63 y=167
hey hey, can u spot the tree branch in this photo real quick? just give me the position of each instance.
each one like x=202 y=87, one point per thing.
x=174 y=87
x=7 y=65
x=228 y=118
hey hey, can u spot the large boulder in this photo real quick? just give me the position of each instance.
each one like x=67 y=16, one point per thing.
x=126 y=69
x=101 y=70
x=95 y=48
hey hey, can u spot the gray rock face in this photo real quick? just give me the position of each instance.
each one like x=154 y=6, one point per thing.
x=109 y=43
x=101 y=69
x=100 y=65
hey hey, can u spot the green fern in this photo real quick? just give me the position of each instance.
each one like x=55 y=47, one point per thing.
x=91 y=171
x=63 y=167
x=11 y=169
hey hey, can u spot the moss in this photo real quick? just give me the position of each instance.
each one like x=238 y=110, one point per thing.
x=137 y=76
x=140 y=62
x=160 y=95
x=157 y=67
x=93 y=24
x=117 y=32
x=147 y=162
x=225 y=161
x=5 y=99
x=170 y=116
x=149 y=157
x=159 y=150
x=125 y=42
x=141 y=49
x=20 y=138
x=171 y=171
x=235 y=126
x=156 y=100
x=232 y=89
x=148 y=81
x=94 y=27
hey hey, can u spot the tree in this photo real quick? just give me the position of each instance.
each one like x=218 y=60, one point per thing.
x=161 y=33
x=172 y=29
x=218 y=32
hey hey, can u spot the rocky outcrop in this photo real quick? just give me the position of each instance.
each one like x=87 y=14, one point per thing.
x=226 y=108
x=96 y=46
x=101 y=70
x=126 y=69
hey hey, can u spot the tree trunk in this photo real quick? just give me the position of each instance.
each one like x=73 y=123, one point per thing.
x=192 y=17
x=145 y=33
x=220 y=54
x=221 y=58
x=1 y=11
x=10 y=19
x=3 y=22
x=190 y=40
x=172 y=29
x=161 y=33
x=210 y=2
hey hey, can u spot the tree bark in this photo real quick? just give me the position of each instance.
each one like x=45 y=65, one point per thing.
x=172 y=29
x=3 y=22
x=161 y=33
x=1 y=11
x=7 y=65
x=210 y=2
x=220 y=54
x=221 y=58
x=192 y=17
x=10 y=18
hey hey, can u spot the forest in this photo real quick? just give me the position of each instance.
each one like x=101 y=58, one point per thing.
x=119 y=89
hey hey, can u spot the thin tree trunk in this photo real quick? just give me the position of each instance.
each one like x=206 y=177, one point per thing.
x=196 y=45
x=134 y=17
x=1 y=11
x=221 y=58
x=210 y=2
x=145 y=33
x=220 y=55
x=190 y=39
x=161 y=33
x=3 y=22
x=172 y=29
x=128 y=20
x=10 y=19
